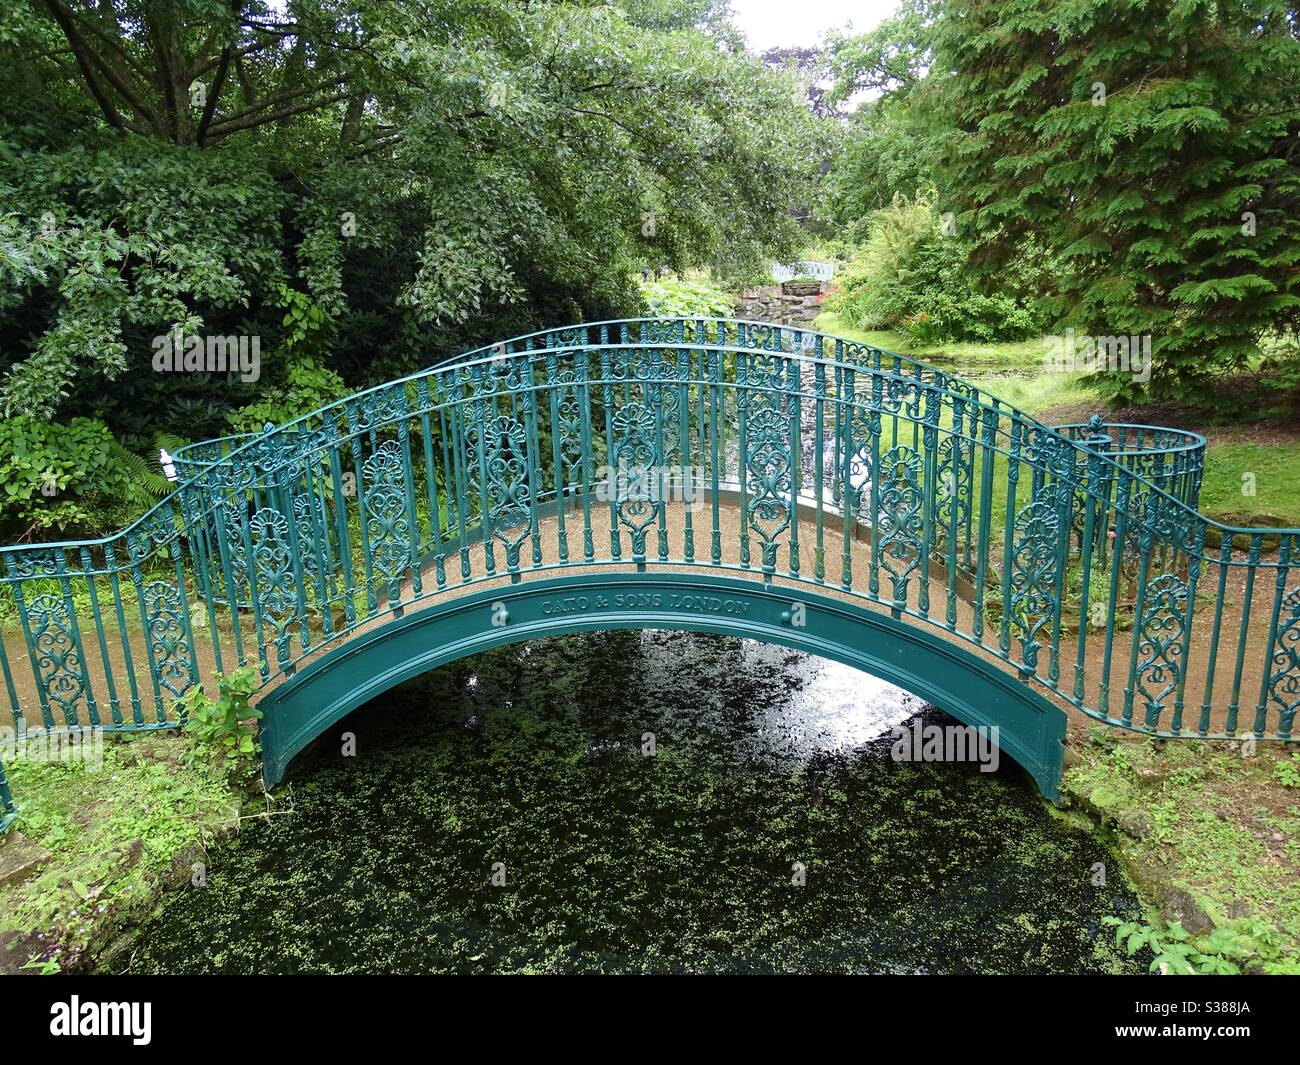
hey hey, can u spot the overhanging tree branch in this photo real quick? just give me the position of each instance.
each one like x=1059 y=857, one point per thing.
x=211 y=106
x=85 y=64
x=224 y=129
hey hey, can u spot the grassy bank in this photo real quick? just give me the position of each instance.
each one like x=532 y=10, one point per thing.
x=1210 y=834
x=1012 y=371
x=1270 y=470
x=117 y=835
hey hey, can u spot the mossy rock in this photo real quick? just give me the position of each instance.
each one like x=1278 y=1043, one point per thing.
x=1256 y=520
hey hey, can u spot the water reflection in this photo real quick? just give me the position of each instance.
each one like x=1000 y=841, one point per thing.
x=620 y=856
x=818 y=707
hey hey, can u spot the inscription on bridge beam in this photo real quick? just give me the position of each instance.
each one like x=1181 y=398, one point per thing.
x=636 y=601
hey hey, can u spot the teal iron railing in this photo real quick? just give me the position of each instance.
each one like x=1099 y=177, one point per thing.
x=7 y=809
x=1075 y=560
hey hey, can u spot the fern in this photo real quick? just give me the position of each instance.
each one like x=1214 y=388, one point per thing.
x=147 y=484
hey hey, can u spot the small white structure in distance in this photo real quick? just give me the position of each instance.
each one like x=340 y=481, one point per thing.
x=806 y=268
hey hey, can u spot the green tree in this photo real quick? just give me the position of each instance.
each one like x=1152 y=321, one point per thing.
x=910 y=275
x=1153 y=146
x=429 y=175
x=891 y=143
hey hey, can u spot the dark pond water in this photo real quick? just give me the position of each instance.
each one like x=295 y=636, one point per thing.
x=529 y=761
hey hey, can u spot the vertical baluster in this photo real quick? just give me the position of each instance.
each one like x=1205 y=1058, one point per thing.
x=964 y=427
x=183 y=600
x=582 y=394
x=1189 y=617
x=532 y=459
x=1212 y=657
x=989 y=430
x=1243 y=633
x=459 y=443
x=425 y=401
x=354 y=441
x=1009 y=535
x=845 y=450
x=1064 y=474
x=557 y=458
x=1279 y=592
x=840 y=412
x=137 y=580
x=656 y=388
x=197 y=538
x=607 y=392
x=285 y=476
x=953 y=485
x=342 y=531
x=743 y=399
x=686 y=452
x=14 y=572
x=715 y=398
x=314 y=495
x=115 y=708
x=412 y=513
x=1145 y=545
x=819 y=463
x=929 y=490
x=69 y=605
x=794 y=391
x=110 y=564
x=1116 y=564
x=876 y=476
x=254 y=596
x=1097 y=444
x=222 y=508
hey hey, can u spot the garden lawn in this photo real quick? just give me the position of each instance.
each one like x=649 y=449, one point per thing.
x=1276 y=483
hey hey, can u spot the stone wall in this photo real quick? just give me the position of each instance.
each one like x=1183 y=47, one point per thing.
x=770 y=304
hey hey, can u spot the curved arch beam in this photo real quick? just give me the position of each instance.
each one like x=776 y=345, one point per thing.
x=1031 y=729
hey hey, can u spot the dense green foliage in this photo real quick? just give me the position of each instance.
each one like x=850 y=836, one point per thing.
x=1149 y=147
x=1153 y=145
x=366 y=187
x=686 y=297
x=892 y=146
x=912 y=277
x=64 y=478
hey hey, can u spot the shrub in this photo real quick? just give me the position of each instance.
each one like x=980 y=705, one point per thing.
x=70 y=479
x=910 y=277
x=308 y=385
x=686 y=298
x=224 y=727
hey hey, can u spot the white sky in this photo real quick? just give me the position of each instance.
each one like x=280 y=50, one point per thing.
x=786 y=23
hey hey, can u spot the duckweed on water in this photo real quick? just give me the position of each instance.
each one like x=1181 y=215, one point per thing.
x=529 y=761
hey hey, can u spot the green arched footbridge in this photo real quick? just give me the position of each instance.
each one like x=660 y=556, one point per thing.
x=704 y=475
